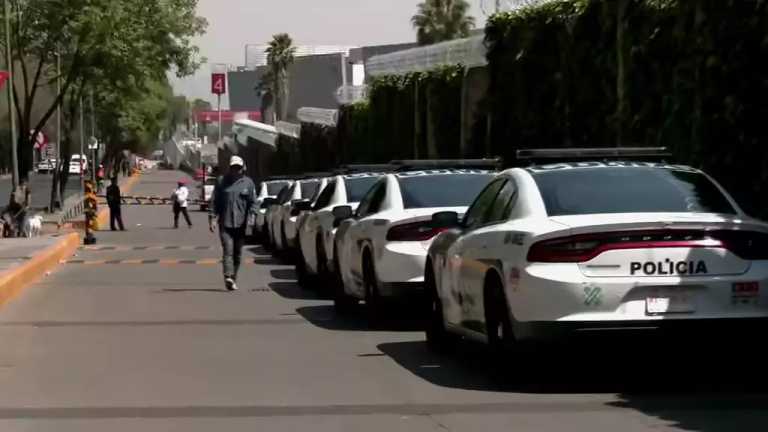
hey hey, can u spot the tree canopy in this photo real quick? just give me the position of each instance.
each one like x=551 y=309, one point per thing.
x=442 y=20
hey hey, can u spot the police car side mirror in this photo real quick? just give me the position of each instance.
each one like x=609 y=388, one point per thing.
x=341 y=213
x=446 y=219
x=298 y=206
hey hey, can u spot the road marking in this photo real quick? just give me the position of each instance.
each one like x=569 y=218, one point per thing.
x=165 y=262
x=144 y=248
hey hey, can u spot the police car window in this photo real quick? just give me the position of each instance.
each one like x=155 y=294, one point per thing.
x=358 y=187
x=629 y=190
x=442 y=190
x=309 y=188
x=273 y=188
x=365 y=203
x=503 y=204
x=476 y=215
x=377 y=199
x=325 y=196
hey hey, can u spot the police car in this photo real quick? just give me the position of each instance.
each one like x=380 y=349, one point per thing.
x=268 y=191
x=381 y=249
x=298 y=197
x=317 y=229
x=569 y=248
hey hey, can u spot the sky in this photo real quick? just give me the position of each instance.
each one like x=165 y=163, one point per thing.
x=234 y=23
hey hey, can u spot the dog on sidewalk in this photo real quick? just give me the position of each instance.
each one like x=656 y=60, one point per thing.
x=33 y=226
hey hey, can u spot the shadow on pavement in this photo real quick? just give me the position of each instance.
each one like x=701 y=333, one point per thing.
x=283 y=274
x=691 y=388
x=326 y=318
x=292 y=290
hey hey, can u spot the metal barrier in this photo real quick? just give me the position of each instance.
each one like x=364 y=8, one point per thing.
x=73 y=207
x=153 y=200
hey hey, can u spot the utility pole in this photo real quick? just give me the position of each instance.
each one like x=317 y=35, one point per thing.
x=56 y=190
x=95 y=151
x=82 y=137
x=11 y=104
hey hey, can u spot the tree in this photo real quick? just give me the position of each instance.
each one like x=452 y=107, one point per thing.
x=442 y=20
x=115 y=45
x=280 y=55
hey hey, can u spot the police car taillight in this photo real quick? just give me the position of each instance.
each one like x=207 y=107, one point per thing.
x=416 y=231
x=582 y=248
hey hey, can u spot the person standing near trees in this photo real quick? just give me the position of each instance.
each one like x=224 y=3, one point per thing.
x=115 y=201
x=233 y=200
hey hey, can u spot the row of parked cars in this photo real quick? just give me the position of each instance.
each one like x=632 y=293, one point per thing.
x=570 y=242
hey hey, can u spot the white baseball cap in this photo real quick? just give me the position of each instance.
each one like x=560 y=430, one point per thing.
x=236 y=160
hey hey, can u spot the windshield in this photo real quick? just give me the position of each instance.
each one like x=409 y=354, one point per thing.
x=309 y=188
x=274 y=187
x=284 y=194
x=442 y=190
x=629 y=190
x=358 y=187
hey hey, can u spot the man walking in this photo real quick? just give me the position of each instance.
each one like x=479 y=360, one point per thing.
x=114 y=201
x=233 y=200
x=180 y=203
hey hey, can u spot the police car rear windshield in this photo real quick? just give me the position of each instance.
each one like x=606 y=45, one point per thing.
x=274 y=187
x=358 y=187
x=581 y=191
x=442 y=190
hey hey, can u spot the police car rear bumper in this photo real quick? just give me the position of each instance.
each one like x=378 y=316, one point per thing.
x=725 y=328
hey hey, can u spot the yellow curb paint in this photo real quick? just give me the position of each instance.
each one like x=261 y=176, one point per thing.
x=133 y=261
x=14 y=281
x=208 y=262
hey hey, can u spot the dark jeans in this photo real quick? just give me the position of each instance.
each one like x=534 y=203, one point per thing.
x=177 y=209
x=116 y=218
x=232 y=242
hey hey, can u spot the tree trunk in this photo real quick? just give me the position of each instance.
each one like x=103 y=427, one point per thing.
x=621 y=72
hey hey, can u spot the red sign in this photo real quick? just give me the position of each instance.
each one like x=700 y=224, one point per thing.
x=4 y=75
x=226 y=116
x=218 y=83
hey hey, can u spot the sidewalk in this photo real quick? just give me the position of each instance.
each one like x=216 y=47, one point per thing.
x=24 y=261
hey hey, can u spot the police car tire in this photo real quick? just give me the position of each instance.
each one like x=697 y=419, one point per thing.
x=323 y=275
x=343 y=303
x=501 y=339
x=438 y=338
x=374 y=308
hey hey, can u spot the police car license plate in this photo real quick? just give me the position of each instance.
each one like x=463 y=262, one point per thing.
x=670 y=302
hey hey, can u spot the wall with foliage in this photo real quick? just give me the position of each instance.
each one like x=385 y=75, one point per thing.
x=687 y=75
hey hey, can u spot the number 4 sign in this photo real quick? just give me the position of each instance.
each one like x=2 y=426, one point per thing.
x=218 y=83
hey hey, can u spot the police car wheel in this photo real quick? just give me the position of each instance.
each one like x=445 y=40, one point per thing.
x=501 y=339
x=323 y=275
x=438 y=338
x=373 y=302
x=303 y=278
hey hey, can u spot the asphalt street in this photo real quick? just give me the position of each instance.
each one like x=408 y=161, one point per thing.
x=141 y=336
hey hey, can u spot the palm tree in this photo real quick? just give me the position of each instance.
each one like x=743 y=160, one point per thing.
x=442 y=20
x=280 y=55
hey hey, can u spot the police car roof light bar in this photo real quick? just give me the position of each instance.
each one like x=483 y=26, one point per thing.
x=362 y=168
x=314 y=176
x=601 y=153
x=403 y=165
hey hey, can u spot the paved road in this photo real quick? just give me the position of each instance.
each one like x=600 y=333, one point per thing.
x=40 y=185
x=160 y=347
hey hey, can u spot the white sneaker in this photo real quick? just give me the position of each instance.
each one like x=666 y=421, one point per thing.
x=230 y=284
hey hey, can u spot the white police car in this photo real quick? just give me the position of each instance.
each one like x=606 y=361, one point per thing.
x=283 y=217
x=569 y=248
x=317 y=229
x=381 y=250
x=269 y=188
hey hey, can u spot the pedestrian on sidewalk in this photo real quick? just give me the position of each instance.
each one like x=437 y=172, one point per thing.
x=180 y=199
x=115 y=201
x=233 y=200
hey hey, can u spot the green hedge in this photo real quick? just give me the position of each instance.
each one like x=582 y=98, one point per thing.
x=687 y=75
